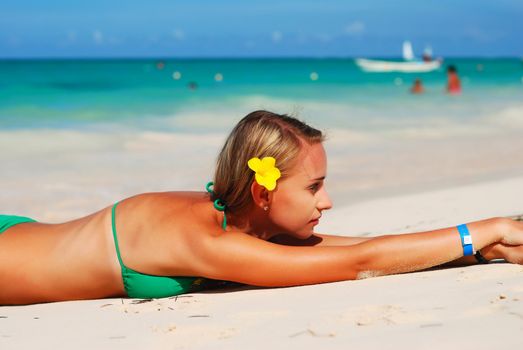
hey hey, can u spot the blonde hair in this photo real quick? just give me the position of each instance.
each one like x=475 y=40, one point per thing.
x=259 y=134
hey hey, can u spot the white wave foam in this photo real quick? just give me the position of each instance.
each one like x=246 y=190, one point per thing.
x=508 y=117
x=360 y=123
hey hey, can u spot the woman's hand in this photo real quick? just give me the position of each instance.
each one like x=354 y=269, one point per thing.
x=512 y=232
x=510 y=253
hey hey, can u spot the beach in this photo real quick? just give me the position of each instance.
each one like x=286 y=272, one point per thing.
x=74 y=144
x=462 y=307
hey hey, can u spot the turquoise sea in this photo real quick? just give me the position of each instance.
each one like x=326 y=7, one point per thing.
x=203 y=95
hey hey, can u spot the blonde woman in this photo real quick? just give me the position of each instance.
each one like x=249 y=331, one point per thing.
x=254 y=225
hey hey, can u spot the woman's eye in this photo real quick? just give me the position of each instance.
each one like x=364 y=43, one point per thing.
x=314 y=187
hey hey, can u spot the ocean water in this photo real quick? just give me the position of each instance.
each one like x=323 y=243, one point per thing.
x=77 y=135
x=76 y=94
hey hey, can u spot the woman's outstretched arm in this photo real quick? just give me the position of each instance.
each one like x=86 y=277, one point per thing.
x=241 y=258
x=490 y=252
x=325 y=240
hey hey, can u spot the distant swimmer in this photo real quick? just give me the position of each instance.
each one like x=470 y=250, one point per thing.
x=192 y=85
x=453 y=82
x=417 y=87
x=160 y=65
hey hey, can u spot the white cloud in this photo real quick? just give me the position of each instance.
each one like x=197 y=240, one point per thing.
x=277 y=36
x=355 y=28
x=98 y=37
x=178 y=34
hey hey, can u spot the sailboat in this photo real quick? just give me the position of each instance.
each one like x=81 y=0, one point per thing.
x=409 y=64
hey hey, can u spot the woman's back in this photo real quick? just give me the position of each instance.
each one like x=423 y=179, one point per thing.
x=157 y=234
x=47 y=262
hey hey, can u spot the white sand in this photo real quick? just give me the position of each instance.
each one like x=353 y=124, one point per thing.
x=478 y=307
x=57 y=175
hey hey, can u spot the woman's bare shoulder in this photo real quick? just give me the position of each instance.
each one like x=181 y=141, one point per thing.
x=163 y=201
x=168 y=211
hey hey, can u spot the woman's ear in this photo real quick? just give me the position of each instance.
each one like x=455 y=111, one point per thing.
x=260 y=195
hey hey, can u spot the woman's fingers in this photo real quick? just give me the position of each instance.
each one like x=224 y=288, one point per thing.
x=511 y=253
x=511 y=230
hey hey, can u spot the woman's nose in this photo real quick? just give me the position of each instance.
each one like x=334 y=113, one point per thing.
x=325 y=201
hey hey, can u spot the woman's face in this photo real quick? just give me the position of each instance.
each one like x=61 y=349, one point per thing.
x=300 y=198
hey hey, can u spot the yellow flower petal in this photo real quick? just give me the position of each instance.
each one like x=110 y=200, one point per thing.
x=268 y=162
x=254 y=163
x=273 y=173
x=266 y=173
x=259 y=179
x=270 y=185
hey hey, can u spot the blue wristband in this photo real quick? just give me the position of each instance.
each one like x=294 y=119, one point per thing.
x=466 y=239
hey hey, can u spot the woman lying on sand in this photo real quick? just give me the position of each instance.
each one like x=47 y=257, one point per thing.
x=255 y=225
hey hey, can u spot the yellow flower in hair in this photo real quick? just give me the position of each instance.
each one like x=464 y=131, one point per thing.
x=266 y=171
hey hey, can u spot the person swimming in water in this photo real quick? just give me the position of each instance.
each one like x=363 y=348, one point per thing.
x=453 y=82
x=417 y=87
x=254 y=225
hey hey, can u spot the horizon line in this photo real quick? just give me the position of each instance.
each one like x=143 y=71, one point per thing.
x=181 y=58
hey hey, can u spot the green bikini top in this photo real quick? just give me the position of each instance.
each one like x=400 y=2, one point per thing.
x=141 y=285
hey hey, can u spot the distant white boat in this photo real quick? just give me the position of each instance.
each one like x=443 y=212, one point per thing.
x=391 y=66
x=409 y=64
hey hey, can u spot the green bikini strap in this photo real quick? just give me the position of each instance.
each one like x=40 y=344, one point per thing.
x=113 y=224
x=218 y=203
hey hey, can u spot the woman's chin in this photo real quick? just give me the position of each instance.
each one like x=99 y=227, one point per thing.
x=305 y=233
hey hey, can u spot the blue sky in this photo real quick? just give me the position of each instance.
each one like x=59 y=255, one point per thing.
x=270 y=28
